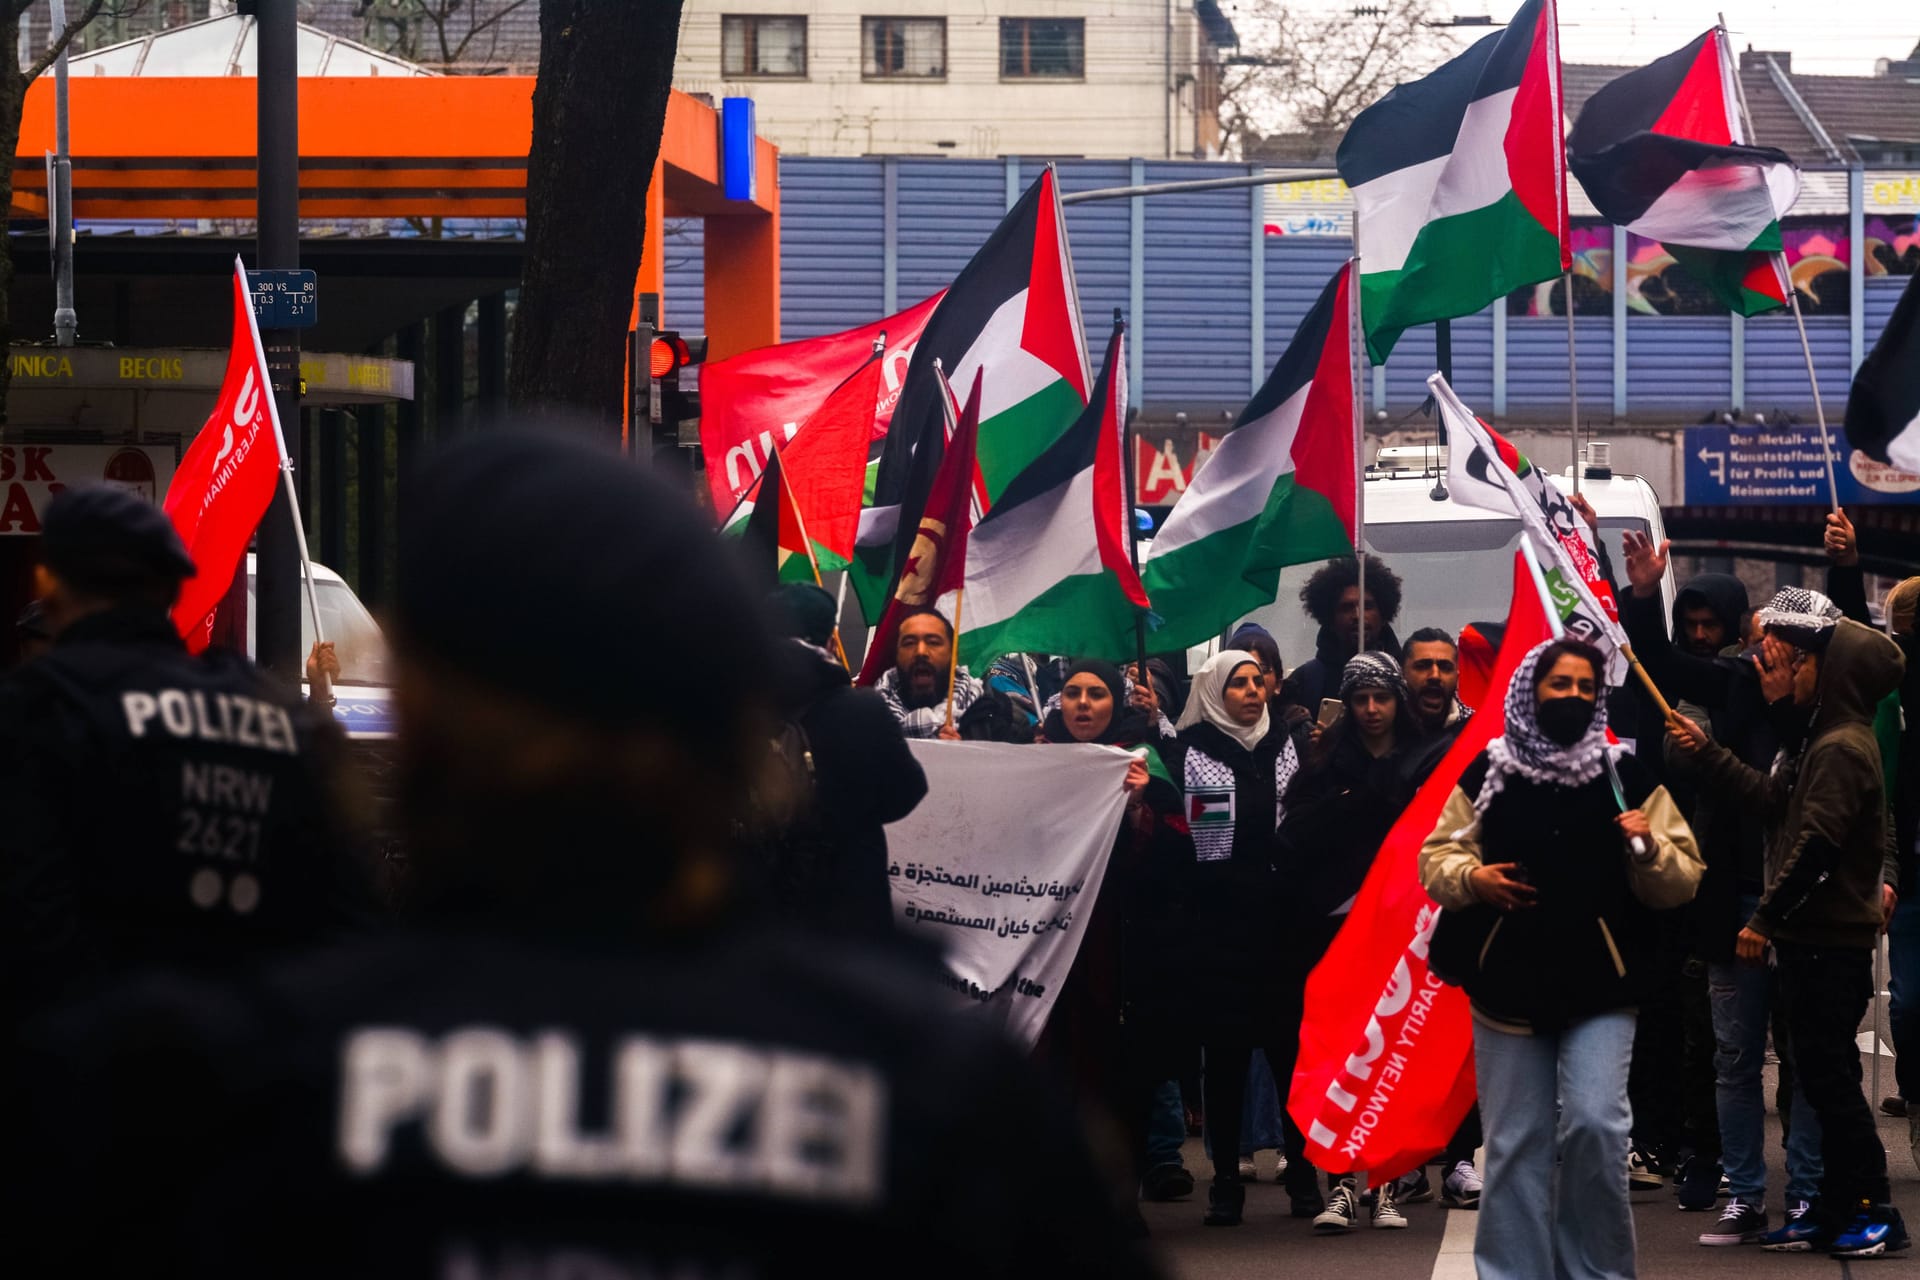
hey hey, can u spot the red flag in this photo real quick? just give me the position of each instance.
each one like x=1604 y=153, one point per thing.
x=937 y=563
x=1385 y=1073
x=752 y=403
x=825 y=466
x=225 y=482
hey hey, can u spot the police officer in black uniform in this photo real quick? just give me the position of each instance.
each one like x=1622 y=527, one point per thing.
x=159 y=808
x=584 y=1055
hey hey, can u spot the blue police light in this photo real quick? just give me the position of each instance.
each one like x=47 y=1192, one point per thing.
x=736 y=148
x=1142 y=520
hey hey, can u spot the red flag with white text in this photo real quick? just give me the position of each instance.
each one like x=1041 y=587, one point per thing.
x=753 y=403
x=225 y=482
x=1385 y=1072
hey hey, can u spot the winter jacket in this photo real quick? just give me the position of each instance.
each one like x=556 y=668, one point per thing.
x=1826 y=812
x=1228 y=888
x=1336 y=817
x=831 y=863
x=1319 y=676
x=1592 y=942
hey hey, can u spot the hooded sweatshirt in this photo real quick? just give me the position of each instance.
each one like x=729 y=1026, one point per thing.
x=1826 y=808
x=1319 y=677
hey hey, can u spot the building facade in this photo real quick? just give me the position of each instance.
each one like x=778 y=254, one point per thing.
x=1095 y=78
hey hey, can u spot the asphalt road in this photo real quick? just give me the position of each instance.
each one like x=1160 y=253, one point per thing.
x=1438 y=1242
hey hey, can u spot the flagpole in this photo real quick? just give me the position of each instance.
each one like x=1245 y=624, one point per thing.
x=1573 y=381
x=1780 y=264
x=286 y=463
x=953 y=664
x=785 y=497
x=1813 y=380
x=1356 y=348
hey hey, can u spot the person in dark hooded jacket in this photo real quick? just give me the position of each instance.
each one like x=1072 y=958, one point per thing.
x=832 y=861
x=1332 y=599
x=1224 y=767
x=1825 y=809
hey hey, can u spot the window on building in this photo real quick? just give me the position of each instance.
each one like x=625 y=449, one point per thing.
x=763 y=47
x=903 y=48
x=1043 y=48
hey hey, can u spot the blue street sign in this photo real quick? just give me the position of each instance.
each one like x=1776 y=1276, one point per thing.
x=284 y=299
x=1782 y=466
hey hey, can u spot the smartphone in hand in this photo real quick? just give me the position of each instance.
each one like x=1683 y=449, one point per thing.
x=1331 y=709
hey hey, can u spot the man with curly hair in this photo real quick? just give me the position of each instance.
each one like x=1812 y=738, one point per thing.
x=1332 y=599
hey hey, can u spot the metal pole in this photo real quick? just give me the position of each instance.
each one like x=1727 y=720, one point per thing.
x=1200 y=184
x=281 y=539
x=66 y=323
x=1573 y=380
x=1356 y=346
x=1813 y=380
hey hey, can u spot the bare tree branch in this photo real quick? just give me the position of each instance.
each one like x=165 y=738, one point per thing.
x=61 y=40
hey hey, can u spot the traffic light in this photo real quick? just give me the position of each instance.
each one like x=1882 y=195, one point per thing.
x=668 y=407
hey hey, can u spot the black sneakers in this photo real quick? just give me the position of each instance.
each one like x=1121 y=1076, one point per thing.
x=1741 y=1222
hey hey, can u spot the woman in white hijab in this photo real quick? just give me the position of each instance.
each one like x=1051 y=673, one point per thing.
x=1225 y=764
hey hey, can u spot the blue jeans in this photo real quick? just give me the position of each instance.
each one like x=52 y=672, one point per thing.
x=1742 y=997
x=1166 y=1125
x=1903 y=991
x=1572 y=1222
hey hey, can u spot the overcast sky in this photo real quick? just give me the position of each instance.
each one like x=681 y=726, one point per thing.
x=1834 y=37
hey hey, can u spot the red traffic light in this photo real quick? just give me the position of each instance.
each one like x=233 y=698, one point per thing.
x=667 y=354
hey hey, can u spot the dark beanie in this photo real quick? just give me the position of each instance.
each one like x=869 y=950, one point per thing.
x=804 y=611
x=1105 y=672
x=629 y=583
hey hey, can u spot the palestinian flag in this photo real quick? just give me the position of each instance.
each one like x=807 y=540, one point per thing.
x=1279 y=489
x=937 y=557
x=824 y=468
x=1012 y=312
x=1883 y=409
x=1049 y=568
x=1662 y=152
x=1459 y=192
x=774 y=532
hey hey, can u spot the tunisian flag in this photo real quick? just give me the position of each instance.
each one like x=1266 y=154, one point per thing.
x=753 y=403
x=1385 y=1073
x=225 y=482
x=937 y=563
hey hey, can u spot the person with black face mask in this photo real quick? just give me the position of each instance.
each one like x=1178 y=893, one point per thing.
x=1551 y=860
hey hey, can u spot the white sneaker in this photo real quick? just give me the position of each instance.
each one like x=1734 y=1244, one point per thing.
x=1386 y=1213
x=1247 y=1171
x=1640 y=1173
x=1461 y=1190
x=1342 y=1211
x=1280 y=1167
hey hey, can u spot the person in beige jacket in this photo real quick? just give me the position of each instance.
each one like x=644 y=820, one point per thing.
x=1551 y=860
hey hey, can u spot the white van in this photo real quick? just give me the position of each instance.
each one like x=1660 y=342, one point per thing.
x=363 y=696
x=1455 y=563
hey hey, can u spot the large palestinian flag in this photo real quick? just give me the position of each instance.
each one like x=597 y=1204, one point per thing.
x=1280 y=489
x=1883 y=410
x=1662 y=152
x=1049 y=569
x=1459 y=190
x=1013 y=314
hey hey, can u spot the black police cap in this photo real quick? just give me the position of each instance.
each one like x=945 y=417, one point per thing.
x=96 y=529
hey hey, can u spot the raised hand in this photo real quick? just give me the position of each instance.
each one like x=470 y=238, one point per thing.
x=1646 y=563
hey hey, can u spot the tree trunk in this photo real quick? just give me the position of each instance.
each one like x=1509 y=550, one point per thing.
x=13 y=97
x=599 y=106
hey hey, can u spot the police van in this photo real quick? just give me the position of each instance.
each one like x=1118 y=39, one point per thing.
x=364 y=692
x=1455 y=562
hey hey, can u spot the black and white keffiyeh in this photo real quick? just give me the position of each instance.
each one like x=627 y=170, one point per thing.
x=1804 y=618
x=1374 y=670
x=926 y=722
x=1523 y=749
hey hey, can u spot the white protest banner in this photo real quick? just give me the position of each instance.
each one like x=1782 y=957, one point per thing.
x=1000 y=866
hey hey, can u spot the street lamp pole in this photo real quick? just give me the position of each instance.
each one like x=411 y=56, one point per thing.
x=277 y=584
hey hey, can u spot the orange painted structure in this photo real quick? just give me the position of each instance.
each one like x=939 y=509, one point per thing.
x=160 y=147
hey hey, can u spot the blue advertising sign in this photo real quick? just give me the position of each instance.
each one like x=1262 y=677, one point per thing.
x=737 y=152
x=1782 y=466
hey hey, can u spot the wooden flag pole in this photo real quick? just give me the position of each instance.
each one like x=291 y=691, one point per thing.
x=953 y=658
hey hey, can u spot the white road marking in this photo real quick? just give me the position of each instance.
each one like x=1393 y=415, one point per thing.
x=1455 y=1259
